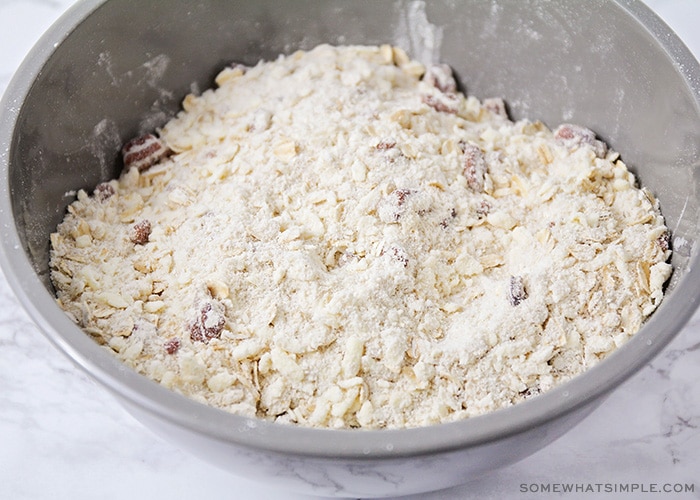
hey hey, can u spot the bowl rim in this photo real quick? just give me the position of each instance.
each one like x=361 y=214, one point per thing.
x=138 y=391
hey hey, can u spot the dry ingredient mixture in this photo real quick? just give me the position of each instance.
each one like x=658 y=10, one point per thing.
x=340 y=238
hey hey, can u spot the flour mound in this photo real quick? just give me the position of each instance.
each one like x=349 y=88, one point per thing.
x=339 y=238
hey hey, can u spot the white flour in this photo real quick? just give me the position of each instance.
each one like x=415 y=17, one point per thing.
x=337 y=242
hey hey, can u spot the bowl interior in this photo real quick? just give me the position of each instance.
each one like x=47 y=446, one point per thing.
x=124 y=69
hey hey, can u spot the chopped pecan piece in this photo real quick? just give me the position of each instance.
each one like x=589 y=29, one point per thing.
x=516 y=290
x=446 y=222
x=530 y=392
x=172 y=345
x=574 y=136
x=474 y=166
x=483 y=209
x=400 y=196
x=398 y=254
x=393 y=205
x=140 y=232
x=441 y=77
x=664 y=241
x=444 y=103
x=208 y=323
x=104 y=191
x=386 y=144
x=496 y=105
x=143 y=152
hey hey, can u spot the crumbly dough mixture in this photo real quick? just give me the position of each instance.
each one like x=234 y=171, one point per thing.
x=340 y=238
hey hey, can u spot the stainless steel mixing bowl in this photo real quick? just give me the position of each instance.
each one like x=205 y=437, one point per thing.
x=109 y=70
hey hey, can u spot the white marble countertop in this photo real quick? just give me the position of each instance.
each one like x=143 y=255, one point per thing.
x=61 y=436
